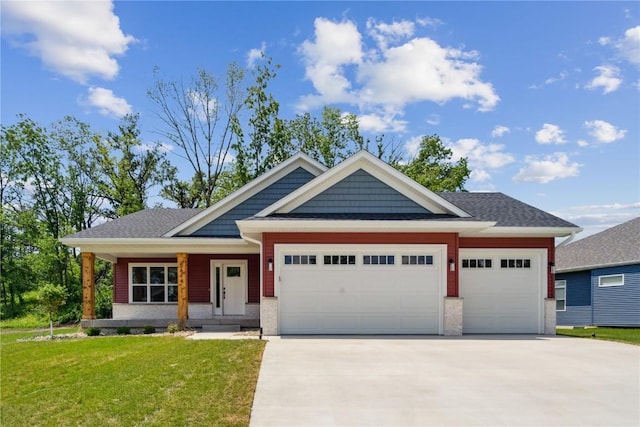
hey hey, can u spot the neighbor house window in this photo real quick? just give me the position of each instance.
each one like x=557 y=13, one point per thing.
x=153 y=283
x=339 y=260
x=611 y=280
x=476 y=263
x=515 y=263
x=378 y=259
x=417 y=260
x=300 y=259
x=561 y=295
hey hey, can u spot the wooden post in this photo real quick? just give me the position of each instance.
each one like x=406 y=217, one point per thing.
x=183 y=290
x=88 y=286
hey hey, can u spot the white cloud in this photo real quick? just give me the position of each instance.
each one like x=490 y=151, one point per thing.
x=400 y=69
x=434 y=119
x=429 y=22
x=563 y=75
x=608 y=79
x=255 y=54
x=543 y=171
x=550 y=134
x=603 y=41
x=629 y=46
x=107 y=103
x=482 y=157
x=412 y=147
x=77 y=39
x=596 y=218
x=499 y=130
x=380 y=122
x=604 y=132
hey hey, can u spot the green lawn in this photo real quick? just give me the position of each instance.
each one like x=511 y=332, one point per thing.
x=627 y=335
x=127 y=381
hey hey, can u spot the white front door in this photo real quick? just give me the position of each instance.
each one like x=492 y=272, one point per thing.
x=234 y=283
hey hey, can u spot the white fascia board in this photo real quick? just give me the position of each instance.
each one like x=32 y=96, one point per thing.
x=595 y=266
x=529 y=231
x=379 y=226
x=376 y=167
x=248 y=190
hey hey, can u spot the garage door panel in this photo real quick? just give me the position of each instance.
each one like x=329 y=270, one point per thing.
x=353 y=299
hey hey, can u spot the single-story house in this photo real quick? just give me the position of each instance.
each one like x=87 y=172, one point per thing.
x=356 y=249
x=598 y=278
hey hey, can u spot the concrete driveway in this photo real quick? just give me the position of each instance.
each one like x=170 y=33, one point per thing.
x=437 y=381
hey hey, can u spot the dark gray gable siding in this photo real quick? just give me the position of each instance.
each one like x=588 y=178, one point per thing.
x=225 y=224
x=360 y=193
x=578 y=312
x=617 y=305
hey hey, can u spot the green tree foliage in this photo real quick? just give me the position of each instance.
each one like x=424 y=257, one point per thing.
x=129 y=168
x=51 y=298
x=432 y=167
x=198 y=121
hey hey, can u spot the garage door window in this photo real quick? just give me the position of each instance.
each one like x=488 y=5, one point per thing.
x=476 y=263
x=339 y=260
x=300 y=259
x=515 y=263
x=378 y=259
x=417 y=260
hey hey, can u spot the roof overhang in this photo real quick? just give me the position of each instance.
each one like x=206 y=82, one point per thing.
x=592 y=267
x=464 y=228
x=528 y=231
x=112 y=249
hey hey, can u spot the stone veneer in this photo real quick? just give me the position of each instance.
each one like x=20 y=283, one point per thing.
x=452 y=316
x=269 y=315
x=549 y=316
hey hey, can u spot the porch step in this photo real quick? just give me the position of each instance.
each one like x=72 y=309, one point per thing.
x=220 y=328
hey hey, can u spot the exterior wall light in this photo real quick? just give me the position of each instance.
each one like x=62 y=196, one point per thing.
x=452 y=264
x=270 y=263
x=552 y=267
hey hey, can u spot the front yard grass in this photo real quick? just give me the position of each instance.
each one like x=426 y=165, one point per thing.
x=626 y=335
x=127 y=381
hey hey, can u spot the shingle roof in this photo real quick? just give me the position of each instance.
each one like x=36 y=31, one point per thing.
x=615 y=246
x=505 y=210
x=148 y=223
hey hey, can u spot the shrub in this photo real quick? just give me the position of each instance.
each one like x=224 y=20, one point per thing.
x=172 y=328
x=92 y=331
x=123 y=330
x=148 y=329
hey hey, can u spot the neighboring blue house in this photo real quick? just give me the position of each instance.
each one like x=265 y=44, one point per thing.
x=598 y=278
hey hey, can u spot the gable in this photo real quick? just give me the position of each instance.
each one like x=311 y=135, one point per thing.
x=360 y=193
x=225 y=224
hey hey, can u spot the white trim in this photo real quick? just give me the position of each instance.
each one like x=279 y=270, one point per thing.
x=246 y=191
x=561 y=284
x=376 y=167
x=594 y=266
x=148 y=284
x=529 y=231
x=600 y=285
x=222 y=263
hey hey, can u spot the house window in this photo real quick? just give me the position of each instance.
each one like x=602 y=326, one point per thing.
x=611 y=280
x=153 y=283
x=417 y=260
x=476 y=263
x=561 y=295
x=515 y=263
x=300 y=259
x=378 y=259
x=339 y=260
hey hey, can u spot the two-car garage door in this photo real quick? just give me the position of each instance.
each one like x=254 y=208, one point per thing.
x=360 y=289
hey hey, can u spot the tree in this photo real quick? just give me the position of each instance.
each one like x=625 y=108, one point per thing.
x=198 y=121
x=129 y=168
x=432 y=167
x=51 y=298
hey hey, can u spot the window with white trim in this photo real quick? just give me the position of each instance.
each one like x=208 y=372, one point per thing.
x=153 y=283
x=476 y=263
x=417 y=259
x=611 y=280
x=561 y=295
x=378 y=259
x=515 y=263
x=300 y=259
x=339 y=260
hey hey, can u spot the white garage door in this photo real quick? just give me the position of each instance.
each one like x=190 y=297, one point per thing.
x=502 y=290
x=354 y=289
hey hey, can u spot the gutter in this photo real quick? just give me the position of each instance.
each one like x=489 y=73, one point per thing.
x=567 y=240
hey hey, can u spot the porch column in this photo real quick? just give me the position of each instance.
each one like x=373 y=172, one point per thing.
x=183 y=290
x=88 y=286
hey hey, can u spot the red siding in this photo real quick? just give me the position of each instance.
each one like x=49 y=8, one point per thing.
x=270 y=239
x=547 y=243
x=199 y=276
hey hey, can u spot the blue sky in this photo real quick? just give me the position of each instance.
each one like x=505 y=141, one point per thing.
x=542 y=97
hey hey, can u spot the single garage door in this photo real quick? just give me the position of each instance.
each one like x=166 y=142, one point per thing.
x=502 y=290
x=354 y=289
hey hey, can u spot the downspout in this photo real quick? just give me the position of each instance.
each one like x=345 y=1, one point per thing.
x=567 y=240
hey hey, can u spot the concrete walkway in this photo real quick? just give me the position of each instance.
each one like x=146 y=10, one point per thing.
x=437 y=381
x=221 y=336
